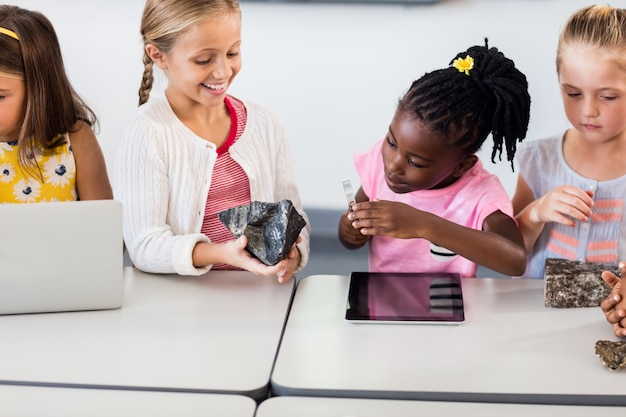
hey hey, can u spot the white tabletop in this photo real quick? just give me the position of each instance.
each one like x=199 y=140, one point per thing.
x=27 y=401
x=355 y=407
x=510 y=349
x=215 y=333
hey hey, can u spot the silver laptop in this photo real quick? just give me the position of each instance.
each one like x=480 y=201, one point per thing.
x=61 y=256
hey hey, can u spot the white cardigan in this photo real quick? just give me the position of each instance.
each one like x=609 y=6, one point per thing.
x=162 y=174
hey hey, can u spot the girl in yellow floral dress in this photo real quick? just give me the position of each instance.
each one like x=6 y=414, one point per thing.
x=48 y=149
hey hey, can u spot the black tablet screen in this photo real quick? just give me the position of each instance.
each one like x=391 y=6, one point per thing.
x=405 y=297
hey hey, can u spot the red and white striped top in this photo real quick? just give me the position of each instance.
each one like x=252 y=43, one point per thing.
x=230 y=186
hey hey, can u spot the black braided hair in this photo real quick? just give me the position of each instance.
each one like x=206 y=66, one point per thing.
x=491 y=98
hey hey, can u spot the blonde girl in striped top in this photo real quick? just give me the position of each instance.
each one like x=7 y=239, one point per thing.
x=195 y=150
x=571 y=190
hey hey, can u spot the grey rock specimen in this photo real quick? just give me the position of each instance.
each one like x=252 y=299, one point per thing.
x=575 y=284
x=271 y=228
x=612 y=354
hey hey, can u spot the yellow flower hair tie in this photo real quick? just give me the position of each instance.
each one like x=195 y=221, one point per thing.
x=464 y=64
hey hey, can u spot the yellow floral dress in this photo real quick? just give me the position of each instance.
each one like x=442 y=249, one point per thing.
x=56 y=182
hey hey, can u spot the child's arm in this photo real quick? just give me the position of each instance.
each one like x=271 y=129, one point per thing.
x=620 y=308
x=234 y=253
x=499 y=246
x=564 y=204
x=92 y=181
x=614 y=306
x=350 y=237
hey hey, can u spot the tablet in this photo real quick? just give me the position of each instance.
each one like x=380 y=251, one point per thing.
x=394 y=297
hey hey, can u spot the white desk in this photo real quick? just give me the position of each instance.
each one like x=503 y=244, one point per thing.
x=510 y=349
x=353 y=407
x=215 y=333
x=27 y=401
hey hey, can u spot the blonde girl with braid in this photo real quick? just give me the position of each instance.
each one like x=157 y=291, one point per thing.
x=48 y=149
x=571 y=190
x=196 y=150
x=425 y=202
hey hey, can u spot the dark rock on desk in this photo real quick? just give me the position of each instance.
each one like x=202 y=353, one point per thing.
x=612 y=354
x=271 y=228
x=575 y=284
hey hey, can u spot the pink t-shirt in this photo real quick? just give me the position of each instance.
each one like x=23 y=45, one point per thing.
x=467 y=202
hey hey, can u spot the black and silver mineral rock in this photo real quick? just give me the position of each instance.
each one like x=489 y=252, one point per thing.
x=271 y=228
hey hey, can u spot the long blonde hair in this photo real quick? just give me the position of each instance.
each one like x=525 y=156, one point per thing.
x=600 y=26
x=164 y=20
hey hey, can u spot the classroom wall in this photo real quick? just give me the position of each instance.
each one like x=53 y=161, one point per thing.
x=334 y=72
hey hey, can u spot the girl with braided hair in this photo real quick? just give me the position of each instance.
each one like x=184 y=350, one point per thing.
x=569 y=200
x=425 y=202
x=197 y=150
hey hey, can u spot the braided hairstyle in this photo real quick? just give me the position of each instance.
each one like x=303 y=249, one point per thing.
x=468 y=103
x=163 y=21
